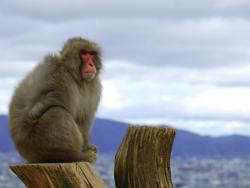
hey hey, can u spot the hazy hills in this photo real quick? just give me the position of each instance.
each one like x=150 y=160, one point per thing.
x=107 y=135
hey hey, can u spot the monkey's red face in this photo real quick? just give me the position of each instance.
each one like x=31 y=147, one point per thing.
x=88 y=68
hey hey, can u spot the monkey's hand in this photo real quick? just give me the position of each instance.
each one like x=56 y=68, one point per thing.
x=47 y=101
x=36 y=111
x=91 y=147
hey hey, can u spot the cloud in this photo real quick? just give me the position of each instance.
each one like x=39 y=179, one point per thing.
x=202 y=43
x=15 y=69
x=70 y=10
x=6 y=90
x=222 y=76
x=185 y=63
x=143 y=92
x=215 y=128
x=176 y=96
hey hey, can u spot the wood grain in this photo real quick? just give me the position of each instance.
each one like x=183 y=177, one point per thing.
x=58 y=175
x=143 y=159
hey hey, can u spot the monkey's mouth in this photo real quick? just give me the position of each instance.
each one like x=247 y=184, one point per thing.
x=88 y=75
x=89 y=72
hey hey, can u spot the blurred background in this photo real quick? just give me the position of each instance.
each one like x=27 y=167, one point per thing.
x=184 y=64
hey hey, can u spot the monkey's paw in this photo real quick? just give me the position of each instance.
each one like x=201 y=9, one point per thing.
x=90 y=147
x=33 y=115
x=93 y=148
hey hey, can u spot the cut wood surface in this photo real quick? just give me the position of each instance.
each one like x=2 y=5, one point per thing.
x=143 y=159
x=58 y=175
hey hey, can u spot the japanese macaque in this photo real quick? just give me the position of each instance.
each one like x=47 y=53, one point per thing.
x=52 y=109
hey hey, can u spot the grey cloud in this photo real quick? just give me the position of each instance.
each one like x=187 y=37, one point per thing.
x=234 y=76
x=162 y=53
x=65 y=10
x=200 y=43
x=205 y=43
x=14 y=70
x=14 y=26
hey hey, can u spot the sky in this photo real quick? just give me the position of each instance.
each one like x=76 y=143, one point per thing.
x=174 y=62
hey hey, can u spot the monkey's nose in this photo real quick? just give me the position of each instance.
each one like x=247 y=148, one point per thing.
x=91 y=64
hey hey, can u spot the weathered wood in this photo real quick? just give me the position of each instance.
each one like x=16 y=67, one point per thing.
x=143 y=159
x=58 y=175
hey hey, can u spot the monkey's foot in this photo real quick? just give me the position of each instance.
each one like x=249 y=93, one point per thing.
x=89 y=156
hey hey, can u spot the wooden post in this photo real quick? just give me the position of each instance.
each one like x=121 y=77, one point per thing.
x=143 y=159
x=58 y=175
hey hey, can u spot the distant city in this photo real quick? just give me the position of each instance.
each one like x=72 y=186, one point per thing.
x=223 y=163
x=191 y=172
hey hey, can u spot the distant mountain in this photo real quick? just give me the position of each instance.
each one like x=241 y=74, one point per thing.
x=108 y=134
x=6 y=143
x=187 y=143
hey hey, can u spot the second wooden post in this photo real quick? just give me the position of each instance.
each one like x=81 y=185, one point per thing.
x=143 y=159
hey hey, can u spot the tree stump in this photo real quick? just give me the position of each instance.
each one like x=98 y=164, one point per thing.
x=58 y=175
x=143 y=159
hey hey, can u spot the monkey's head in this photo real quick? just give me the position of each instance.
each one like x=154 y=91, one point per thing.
x=82 y=57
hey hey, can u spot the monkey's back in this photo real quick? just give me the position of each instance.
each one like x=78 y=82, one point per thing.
x=27 y=93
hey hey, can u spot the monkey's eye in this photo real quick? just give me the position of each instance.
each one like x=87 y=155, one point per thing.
x=83 y=52
x=92 y=53
x=88 y=52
